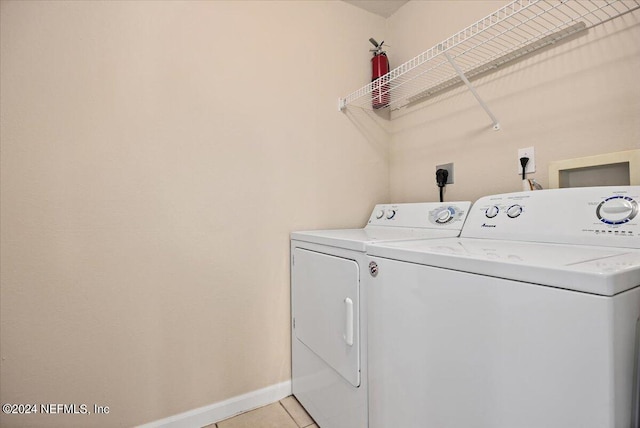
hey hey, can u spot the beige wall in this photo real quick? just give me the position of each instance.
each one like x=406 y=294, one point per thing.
x=578 y=98
x=155 y=157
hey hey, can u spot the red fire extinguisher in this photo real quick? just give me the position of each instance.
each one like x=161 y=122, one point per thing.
x=379 y=67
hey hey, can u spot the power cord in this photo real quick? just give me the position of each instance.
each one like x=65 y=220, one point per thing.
x=441 y=178
x=523 y=161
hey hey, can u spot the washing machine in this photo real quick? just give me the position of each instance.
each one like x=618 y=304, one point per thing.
x=328 y=302
x=530 y=319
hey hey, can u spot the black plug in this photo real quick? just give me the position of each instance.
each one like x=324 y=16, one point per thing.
x=523 y=161
x=441 y=179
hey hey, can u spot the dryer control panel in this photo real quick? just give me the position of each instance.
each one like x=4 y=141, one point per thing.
x=604 y=216
x=617 y=209
x=420 y=215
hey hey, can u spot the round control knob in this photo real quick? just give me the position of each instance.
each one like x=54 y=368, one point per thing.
x=514 y=211
x=379 y=214
x=391 y=214
x=617 y=210
x=492 y=211
x=444 y=216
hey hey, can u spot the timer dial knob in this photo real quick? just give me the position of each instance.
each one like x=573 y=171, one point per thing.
x=391 y=214
x=492 y=211
x=379 y=214
x=514 y=211
x=617 y=210
x=444 y=216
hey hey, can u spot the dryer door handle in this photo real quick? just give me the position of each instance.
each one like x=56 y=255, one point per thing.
x=348 y=328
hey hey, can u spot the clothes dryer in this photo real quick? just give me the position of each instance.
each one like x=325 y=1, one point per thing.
x=530 y=319
x=328 y=305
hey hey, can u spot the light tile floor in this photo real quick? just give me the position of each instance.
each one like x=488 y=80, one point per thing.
x=286 y=413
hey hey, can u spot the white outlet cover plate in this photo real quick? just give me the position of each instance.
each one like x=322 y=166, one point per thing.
x=531 y=165
x=448 y=167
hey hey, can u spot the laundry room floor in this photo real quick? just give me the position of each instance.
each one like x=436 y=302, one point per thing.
x=286 y=413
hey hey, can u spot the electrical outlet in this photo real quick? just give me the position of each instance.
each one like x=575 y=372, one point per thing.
x=448 y=167
x=531 y=165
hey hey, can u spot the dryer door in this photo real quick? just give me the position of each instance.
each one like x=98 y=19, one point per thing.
x=326 y=309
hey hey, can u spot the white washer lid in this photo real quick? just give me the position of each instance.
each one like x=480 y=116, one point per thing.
x=597 y=270
x=358 y=239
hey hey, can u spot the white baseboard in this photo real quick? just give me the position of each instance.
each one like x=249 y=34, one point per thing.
x=224 y=409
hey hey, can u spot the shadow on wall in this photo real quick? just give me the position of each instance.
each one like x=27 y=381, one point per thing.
x=374 y=125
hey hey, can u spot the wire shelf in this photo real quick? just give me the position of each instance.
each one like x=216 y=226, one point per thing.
x=512 y=31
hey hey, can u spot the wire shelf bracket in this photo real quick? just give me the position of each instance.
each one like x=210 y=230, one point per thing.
x=517 y=29
x=472 y=89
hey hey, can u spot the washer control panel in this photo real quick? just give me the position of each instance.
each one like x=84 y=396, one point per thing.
x=421 y=215
x=590 y=215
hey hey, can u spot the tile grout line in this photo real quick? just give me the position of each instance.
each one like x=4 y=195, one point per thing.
x=290 y=415
x=296 y=422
